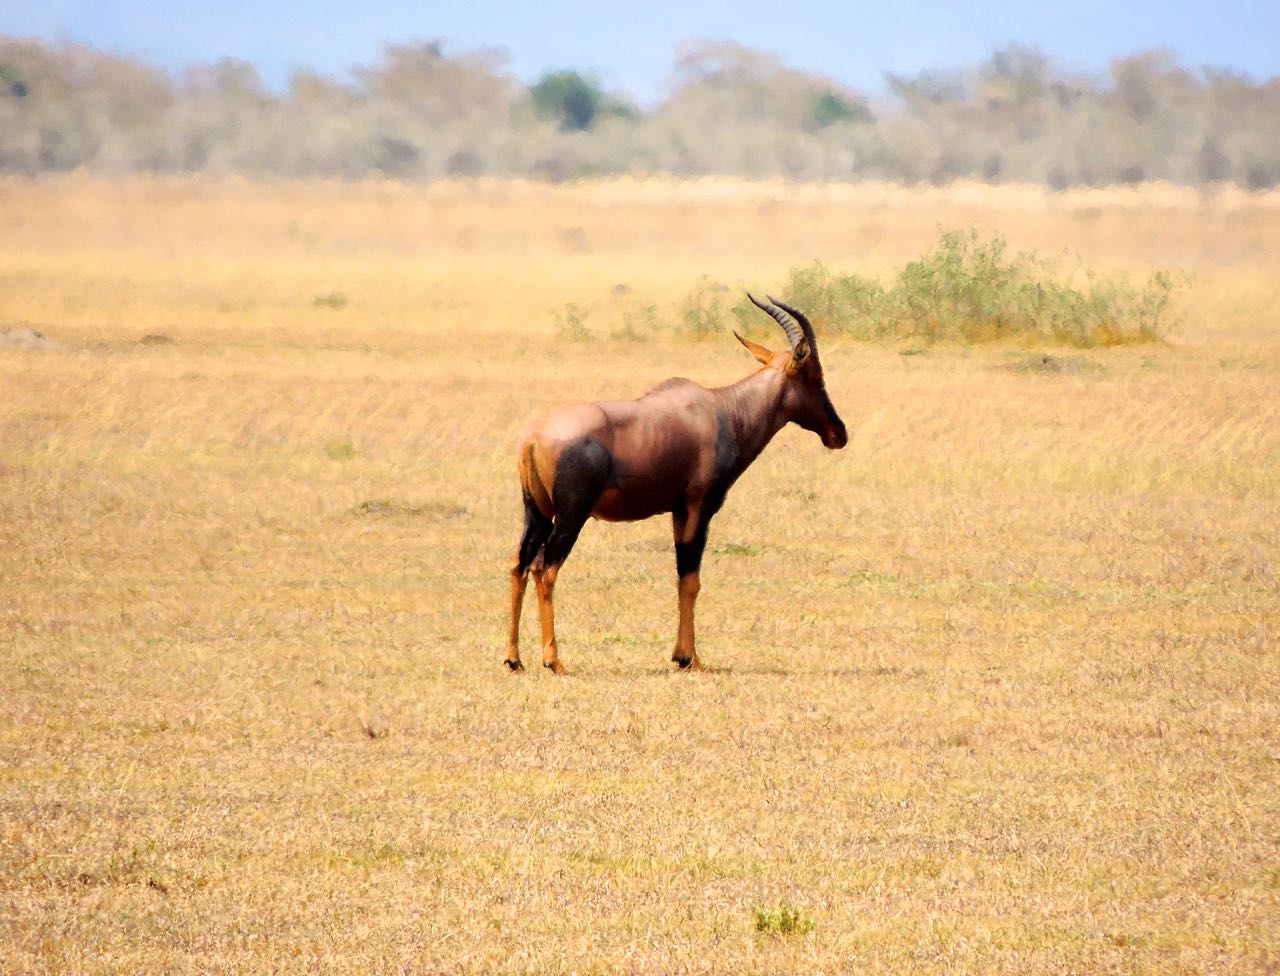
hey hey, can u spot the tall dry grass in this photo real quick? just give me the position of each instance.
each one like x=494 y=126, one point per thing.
x=992 y=690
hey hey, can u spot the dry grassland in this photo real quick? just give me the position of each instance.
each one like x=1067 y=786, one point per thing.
x=995 y=689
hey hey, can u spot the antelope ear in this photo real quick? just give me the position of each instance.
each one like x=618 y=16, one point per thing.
x=762 y=354
x=798 y=355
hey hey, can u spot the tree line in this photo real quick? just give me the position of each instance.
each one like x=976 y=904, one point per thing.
x=422 y=112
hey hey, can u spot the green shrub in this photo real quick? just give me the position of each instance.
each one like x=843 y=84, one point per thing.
x=571 y=323
x=965 y=290
x=704 y=309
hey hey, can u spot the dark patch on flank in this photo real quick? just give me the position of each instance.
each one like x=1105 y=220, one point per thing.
x=584 y=471
x=585 y=465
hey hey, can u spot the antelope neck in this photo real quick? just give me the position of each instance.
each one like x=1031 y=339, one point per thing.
x=753 y=408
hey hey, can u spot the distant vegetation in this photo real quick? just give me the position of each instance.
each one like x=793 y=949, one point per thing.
x=422 y=113
x=964 y=290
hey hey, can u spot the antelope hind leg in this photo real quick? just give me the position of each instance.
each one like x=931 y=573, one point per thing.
x=537 y=527
x=519 y=580
x=544 y=579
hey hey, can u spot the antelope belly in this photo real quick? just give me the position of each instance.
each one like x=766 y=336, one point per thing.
x=617 y=504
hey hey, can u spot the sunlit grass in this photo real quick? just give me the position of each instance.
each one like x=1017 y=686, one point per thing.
x=994 y=689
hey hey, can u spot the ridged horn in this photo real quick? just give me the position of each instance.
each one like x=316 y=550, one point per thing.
x=800 y=317
x=794 y=334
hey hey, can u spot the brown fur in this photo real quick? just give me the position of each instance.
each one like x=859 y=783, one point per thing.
x=677 y=450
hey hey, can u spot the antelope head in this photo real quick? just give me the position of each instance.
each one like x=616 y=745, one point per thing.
x=804 y=399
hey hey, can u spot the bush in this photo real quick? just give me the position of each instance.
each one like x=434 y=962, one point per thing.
x=571 y=323
x=703 y=310
x=968 y=290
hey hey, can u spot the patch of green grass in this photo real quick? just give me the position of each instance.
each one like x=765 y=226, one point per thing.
x=334 y=299
x=339 y=449
x=736 y=549
x=783 y=919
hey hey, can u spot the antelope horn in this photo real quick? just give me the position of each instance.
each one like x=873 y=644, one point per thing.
x=800 y=317
x=794 y=335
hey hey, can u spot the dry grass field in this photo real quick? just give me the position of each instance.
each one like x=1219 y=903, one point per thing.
x=995 y=689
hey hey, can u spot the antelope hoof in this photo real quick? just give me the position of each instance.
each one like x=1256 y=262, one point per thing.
x=687 y=663
x=555 y=667
x=515 y=666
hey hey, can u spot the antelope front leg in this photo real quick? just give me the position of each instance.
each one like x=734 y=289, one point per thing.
x=544 y=579
x=685 y=653
x=691 y=539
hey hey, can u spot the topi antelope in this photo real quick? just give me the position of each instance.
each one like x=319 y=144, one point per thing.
x=678 y=449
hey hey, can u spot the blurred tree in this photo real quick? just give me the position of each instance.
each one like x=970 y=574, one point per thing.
x=10 y=82
x=928 y=88
x=424 y=83
x=832 y=108
x=1017 y=73
x=422 y=113
x=576 y=101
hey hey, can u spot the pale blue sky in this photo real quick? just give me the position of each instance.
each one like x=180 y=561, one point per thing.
x=632 y=46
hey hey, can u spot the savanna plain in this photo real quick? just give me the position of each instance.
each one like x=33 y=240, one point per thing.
x=994 y=689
